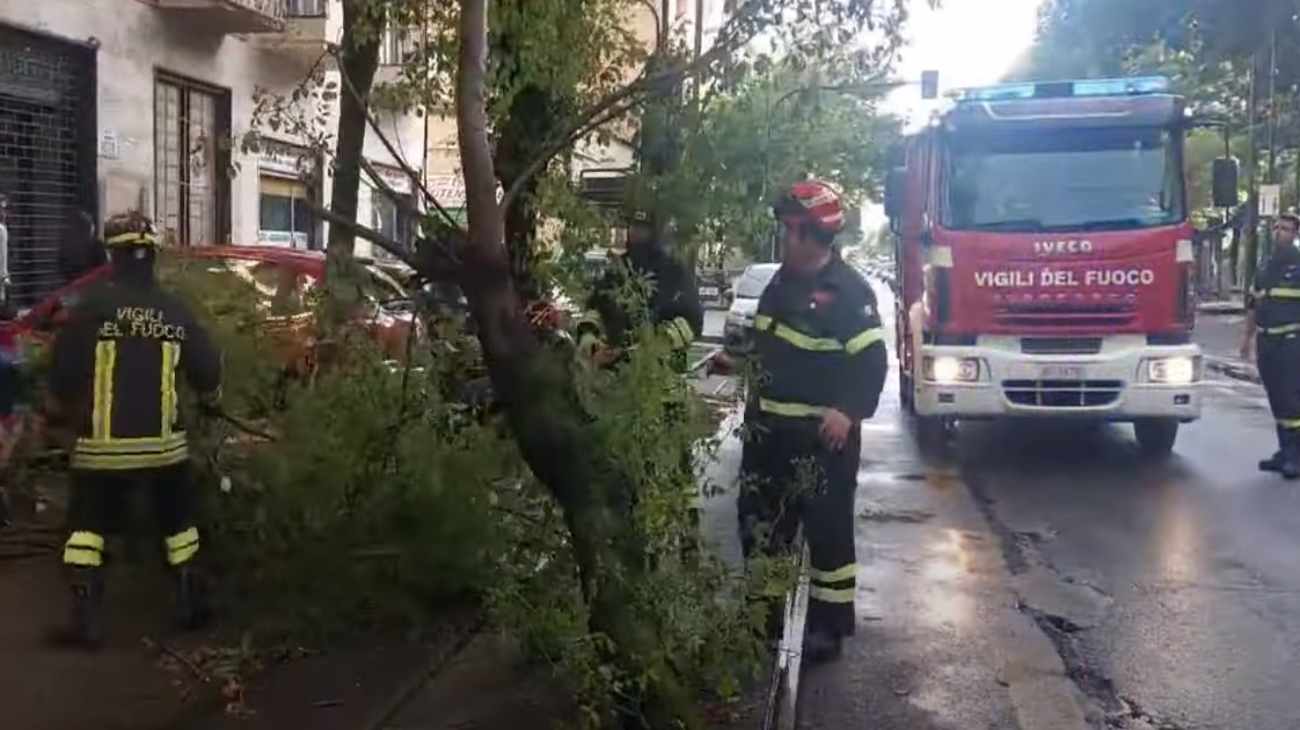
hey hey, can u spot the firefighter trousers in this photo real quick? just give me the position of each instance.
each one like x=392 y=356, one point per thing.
x=788 y=477
x=1279 y=368
x=99 y=497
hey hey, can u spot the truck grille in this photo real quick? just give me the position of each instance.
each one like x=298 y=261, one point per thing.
x=1060 y=345
x=1063 y=393
x=1057 y=313
x=1096 y=320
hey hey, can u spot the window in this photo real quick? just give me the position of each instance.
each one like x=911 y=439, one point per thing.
x=393 y=46
x=284 y=213
x=389 y=220
x=191 y=189
x=305 y=8
x=1065 y=180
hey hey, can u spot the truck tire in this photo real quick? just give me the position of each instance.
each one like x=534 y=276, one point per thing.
x=1156 y=436
x=933 y=433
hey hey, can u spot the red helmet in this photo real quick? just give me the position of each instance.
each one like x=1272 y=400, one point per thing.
x=814 y=201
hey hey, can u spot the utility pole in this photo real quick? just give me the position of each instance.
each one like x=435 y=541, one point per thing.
x=1272 y=110
x=666 y=9
x=1251 y=222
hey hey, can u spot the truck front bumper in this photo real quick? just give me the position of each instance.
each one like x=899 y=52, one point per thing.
x=1114 y=384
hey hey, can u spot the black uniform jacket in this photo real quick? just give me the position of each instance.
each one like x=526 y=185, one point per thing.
x=1276 y=297
x=674 y=305
x=820 y=345
x=115 y=371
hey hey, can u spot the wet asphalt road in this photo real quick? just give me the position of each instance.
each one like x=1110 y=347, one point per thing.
x=1044 y=576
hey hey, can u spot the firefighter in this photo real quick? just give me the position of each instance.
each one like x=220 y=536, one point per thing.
x=1273 y=325
x=672 y=306
x=822 y=363
x=114 y=381
x=609 y=325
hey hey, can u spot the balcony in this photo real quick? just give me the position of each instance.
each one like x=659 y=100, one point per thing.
x=306 y=30
x=229 y=16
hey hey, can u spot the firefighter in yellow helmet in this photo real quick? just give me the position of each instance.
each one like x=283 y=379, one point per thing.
x=117 y=366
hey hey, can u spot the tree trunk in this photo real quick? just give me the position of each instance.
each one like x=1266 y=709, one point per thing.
x=532 y=121
x=541 y=403
x=359 y=59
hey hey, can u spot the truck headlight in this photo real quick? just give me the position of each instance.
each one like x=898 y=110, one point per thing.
x=947 y=370
x=1180 y=370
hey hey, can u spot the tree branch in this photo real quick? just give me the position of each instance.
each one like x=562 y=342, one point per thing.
x=631 y=94
x=392 y=150
x=485 y=221
x=370 y=234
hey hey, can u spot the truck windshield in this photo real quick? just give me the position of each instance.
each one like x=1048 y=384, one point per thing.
x=1065 y=180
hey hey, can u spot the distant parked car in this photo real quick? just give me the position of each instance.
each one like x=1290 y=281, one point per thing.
x=738 y=331
x=713 y=288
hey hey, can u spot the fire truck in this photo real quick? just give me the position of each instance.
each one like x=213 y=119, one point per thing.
x=1045 y=260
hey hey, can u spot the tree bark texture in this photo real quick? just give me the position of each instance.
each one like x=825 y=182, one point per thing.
x=539 y=394
x=358 y=61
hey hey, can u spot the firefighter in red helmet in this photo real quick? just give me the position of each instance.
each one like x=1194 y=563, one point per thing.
x=117 y=367
x=821 y=367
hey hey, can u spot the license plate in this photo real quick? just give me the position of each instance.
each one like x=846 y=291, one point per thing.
x=1060 y=372
x=709 y=291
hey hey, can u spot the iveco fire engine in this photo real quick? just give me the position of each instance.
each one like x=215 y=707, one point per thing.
x=1045 y=259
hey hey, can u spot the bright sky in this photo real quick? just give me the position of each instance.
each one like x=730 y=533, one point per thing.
x=969 y=42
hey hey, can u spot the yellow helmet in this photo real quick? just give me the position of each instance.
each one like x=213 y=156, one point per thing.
x=132 y=228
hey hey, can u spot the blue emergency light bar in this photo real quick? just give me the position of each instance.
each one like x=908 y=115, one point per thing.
x=1066 y=89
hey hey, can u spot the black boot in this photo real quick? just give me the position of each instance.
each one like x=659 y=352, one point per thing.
x=1290 y=467
x=1274 y=462
x=192 y=610
x=85 y=628
x=821 y=646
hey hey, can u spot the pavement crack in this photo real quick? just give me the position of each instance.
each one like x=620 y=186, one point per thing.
x=1014 y=550
x=1115 y=711
x=1092 y=682
x=908 y=516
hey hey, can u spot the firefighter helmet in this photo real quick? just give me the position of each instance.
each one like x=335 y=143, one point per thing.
x=815 y=202
x=129 y=229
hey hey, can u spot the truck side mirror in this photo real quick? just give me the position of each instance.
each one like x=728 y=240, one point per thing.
x=1225 y=183
x=895 y=180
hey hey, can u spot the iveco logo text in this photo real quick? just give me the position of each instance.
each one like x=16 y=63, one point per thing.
x=1054 y=248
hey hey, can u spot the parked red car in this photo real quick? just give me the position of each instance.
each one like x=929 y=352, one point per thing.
x=284 y=276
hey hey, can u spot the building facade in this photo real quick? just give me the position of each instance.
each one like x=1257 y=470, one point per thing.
x=107 y=105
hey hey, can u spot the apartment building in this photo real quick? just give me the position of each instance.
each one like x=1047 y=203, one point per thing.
x=107 y=105
x=444 y=174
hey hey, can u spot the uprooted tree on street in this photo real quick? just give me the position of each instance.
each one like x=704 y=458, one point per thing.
x=530 y=80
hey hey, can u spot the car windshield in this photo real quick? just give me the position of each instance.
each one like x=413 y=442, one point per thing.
x=754 y=281
x=1070 y=180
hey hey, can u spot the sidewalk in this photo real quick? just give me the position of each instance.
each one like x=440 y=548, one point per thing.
x=1219 y=333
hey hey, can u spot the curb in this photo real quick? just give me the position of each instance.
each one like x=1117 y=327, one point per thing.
x=387 y=711
x=1218 y=309
x=783 y=689
x=1234 y=369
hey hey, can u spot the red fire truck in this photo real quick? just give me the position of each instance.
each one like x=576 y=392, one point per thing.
x=1045 y=260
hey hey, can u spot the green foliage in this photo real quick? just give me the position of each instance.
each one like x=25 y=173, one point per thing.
x=373 y=504
x=648 y=421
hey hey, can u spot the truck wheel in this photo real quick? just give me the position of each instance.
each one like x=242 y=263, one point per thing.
x=1156 y=436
